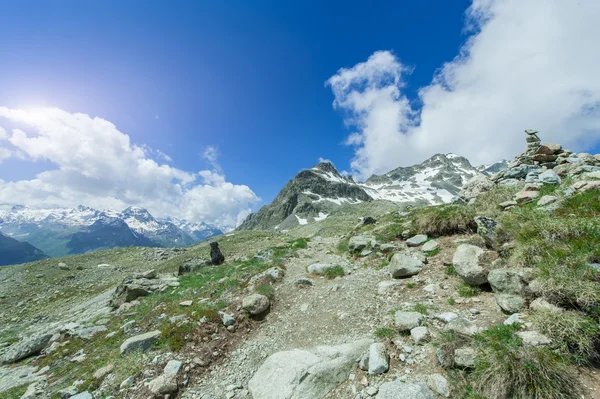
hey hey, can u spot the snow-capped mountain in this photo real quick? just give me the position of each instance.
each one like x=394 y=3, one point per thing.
x=493 y=168
x=64 y=231
x=314 y=193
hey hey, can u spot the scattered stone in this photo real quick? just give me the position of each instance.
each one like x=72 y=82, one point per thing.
x=507 y=204
x=406 y=321
x=534 y=338
x=256 y=304
x=464 y=357
x=359 y=243
x=379 y=361
x=488 y=229
x=475 y=186
x=193 y=265
x=549 y=177
x=366 y=252
x=304 y=281
x=186 y=303
x=417 y=240
x=385 y=248
x=141 y=342
x=25 y=348
x=227 y=319
x=403 y=265
x=127 y=383
x=466 y=264
x=541 y=304
x=103 y=372
x=445 y=317
x=398 y=389
x=462 y=326
x=420 y=335
x=430 y=246
x=509 y=303
x=547 y=200
x=83 y=395
x=299 y=374
x=140 y=285
x=320 y=268
x=505 y=280
x=523 y=197
x=438 y=384
x=513 y=318
x=385 y=286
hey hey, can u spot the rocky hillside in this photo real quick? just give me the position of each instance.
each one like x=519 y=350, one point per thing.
x=494 y=297
x=314 y=193
x=13 y=252
x=67 y=231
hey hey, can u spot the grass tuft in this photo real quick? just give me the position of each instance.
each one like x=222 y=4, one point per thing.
x=444 y=220
x=333 y=272
x=266 y=290
x=467 y=291
x=384 y=333
x=300 y=243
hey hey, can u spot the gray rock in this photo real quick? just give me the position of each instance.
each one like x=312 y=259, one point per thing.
x=103 y=372
x=507 y=204
x=385 y=248
x=88 y=332
x=163 y=385
x=320 y=268
x=523 y=197
x=25 y=348
x=304 y=281
x=489 y=230
x=83 y=395
x=256 y=304
x=541 y=304
x=514 y=318
x=464 y=357
x=358 y=243
x=509 y=303
x=385 y=286
x=303 y=374
x=534 y=338
x=18 y=376
x=430 y=246
x=127 y=382
x=379 y=361
x=68 y=392
x=406 y=321
x=466 y=264
x=505 y=280
x=416 y=240
x=227 y=319
x=172 y=368
x=400 y=390
x=475 y=186
x=420 y=335
x=140 y=342
x=445 y=317
x=549 y=177
x=547 y=200
x=438 y=384
x=403 y=265
x=462 y=326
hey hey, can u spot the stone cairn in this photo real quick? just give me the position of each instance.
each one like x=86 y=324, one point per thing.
x=533 y=141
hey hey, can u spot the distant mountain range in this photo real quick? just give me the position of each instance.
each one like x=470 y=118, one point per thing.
x=13 y=251
x=314 y=193
x=68 y=231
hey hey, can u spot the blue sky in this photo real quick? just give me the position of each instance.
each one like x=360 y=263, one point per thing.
x=249 y=79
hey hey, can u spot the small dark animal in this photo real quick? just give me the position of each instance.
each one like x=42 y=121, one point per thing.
x=216 y=257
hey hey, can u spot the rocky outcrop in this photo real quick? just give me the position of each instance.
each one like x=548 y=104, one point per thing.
x=140 y=285
x=141 y=342
x=300 y=374
x=25 y=348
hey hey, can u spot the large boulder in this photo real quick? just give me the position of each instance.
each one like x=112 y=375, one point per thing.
x=359 y=243
x=505 y=280
x=256 y=304
x=25 y=348
x=306 y=374
x=139 y=285
x=404 y=265
x=140 y=342
x=398 y=389
x=467 y=265
x=475 y=186
x=549 y=177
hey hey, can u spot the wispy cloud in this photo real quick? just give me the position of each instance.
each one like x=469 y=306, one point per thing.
x=524 y=66
x=97 y=165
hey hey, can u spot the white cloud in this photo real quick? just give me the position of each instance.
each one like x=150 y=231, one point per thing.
x=523 y=66
x=3 y=134
x=98 y=166
x=4 y=154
